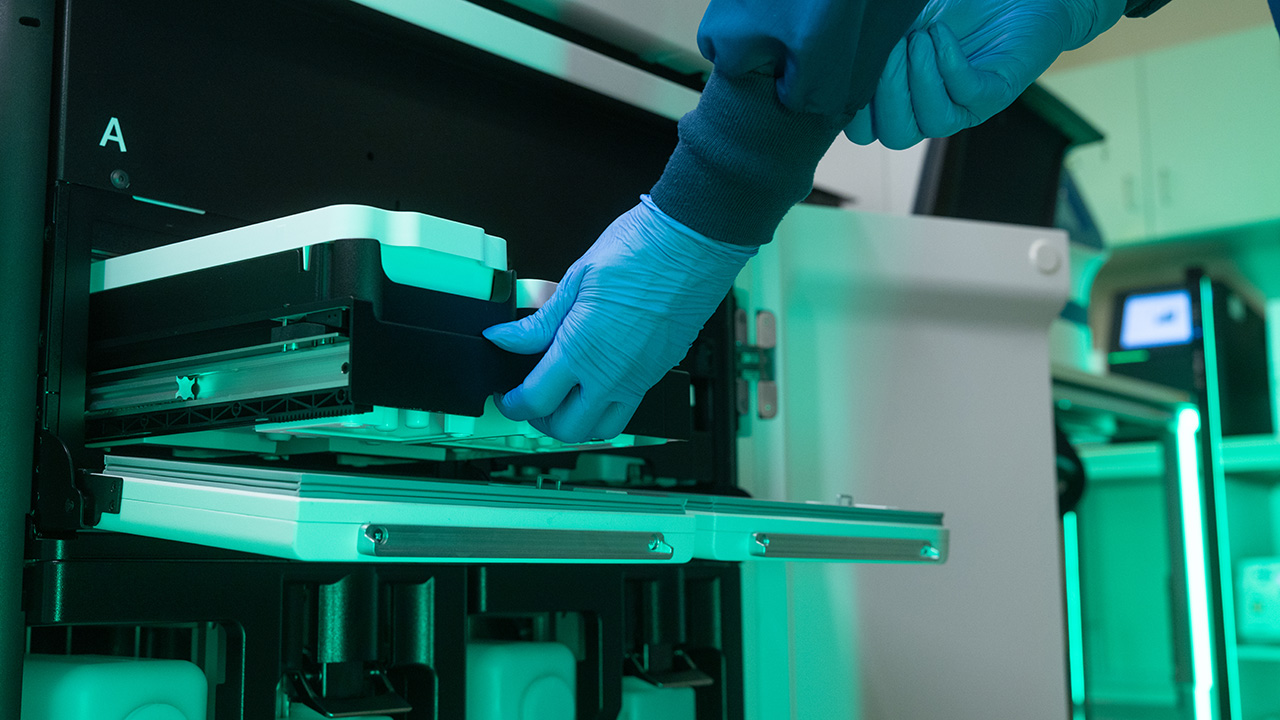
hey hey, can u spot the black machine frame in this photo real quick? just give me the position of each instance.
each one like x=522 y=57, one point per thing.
x=247 y=111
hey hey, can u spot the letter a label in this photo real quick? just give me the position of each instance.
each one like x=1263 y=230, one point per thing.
x=113 y=133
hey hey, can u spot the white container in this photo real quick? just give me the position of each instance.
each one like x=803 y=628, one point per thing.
x=642 y=701
x=520 y=681
x=98 y=687
x=1259 y=613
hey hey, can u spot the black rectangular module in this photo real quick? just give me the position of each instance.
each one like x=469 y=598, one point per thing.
x=407 y=347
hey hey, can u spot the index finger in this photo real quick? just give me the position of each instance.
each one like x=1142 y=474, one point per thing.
x=543 y=389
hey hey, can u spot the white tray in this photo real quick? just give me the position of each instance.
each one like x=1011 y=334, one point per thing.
x=356 y=518
x=418 y=250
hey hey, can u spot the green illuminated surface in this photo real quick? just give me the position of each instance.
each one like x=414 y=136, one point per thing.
x=172 y=206
x=1122 y=357
x=1075 y=631
x=1194 y=549
x=1217 y=476
x=1124 y=561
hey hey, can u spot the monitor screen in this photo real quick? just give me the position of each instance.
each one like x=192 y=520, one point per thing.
x=1156 y=319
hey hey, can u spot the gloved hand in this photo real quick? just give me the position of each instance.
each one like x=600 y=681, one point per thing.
x=625 y=313
x=966 y=60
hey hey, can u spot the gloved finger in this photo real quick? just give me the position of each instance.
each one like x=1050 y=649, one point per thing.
x=980 y=93
x=543 y=390
x=574 y=420
x=894 y=119
x=614 y=420
x=859 y=131
x=534 y=334
x=935 y=112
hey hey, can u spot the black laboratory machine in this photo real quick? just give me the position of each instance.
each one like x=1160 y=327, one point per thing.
x=1154 y=334
x=250 y=248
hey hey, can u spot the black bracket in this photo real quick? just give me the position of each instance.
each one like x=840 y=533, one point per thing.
x=680 y=672
x=102 y=494
x=381 y=700
x=67 y=497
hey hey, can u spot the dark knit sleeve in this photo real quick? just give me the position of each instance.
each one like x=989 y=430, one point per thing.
x=789 y=75
x=743 y=160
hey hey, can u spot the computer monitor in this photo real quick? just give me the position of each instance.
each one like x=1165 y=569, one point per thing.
x=1156 y=319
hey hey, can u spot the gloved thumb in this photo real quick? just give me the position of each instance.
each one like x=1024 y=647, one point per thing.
x=860 y=130
x=533 y=334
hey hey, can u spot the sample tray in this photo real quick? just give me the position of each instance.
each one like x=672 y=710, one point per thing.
x=362 y=518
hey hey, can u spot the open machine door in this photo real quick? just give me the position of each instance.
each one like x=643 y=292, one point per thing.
x=908 y=366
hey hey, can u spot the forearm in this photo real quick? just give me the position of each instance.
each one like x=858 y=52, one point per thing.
x=789 y=76
x=743 y=160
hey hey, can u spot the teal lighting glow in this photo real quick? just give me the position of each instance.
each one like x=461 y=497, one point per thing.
x=1216 y=475
x=1075 y=621
x=169 y=205
x=1194 y=551
x=1124 y=357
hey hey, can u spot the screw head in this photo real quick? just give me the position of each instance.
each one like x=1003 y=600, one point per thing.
x=1045 y=257
x=119 y=179
x=377 y=534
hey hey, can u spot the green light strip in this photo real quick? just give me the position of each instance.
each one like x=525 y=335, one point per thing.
x=1220 y=492
x=172 y=206
x=1197 y=572
x=1075 y=617
x=1124 y=357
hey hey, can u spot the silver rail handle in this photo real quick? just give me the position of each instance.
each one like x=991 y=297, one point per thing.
x=863 y=549
x=458 y=543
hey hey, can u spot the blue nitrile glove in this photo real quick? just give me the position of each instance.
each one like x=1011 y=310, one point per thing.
x=625 y=313
x=966 y=60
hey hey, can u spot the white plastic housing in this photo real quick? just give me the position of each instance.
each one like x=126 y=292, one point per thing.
x=642 y=701
x=417 y=249
x=1258 y=618
x=100 y=687
x=520 y=681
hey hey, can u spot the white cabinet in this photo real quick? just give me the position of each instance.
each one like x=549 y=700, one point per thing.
x=1213 y=124
x=1193 y=145
x=872 y=177
x=1110 y=172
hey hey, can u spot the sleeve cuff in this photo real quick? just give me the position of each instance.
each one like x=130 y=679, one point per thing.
x=743 y=160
